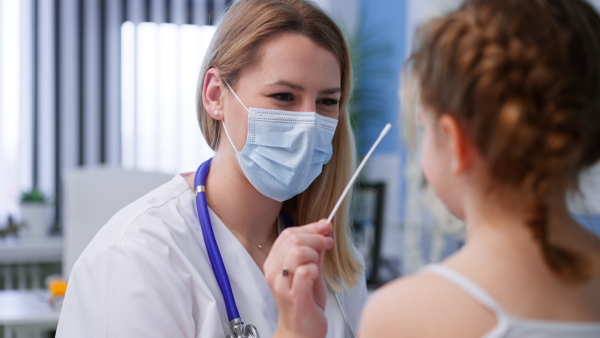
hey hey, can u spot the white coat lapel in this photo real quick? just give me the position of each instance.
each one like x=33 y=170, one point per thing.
x=254 y=299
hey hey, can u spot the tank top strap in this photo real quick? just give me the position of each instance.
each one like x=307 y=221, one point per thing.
x=466 y=285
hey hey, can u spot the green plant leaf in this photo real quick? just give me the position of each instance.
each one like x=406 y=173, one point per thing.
x=35 y=195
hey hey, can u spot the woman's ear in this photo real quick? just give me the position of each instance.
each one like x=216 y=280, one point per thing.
x=461 y=149
x=212 y=91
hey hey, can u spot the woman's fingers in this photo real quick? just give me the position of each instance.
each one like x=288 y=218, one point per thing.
x=298 y=256
x=296 y=247
x=280 y=284
x=290 y=260
x=298 y=288
x=293 y=272
x=316 y=235
x=291 y=239
x=321 y=227
x=293 y=250
x=293 y=259
x=304 y=280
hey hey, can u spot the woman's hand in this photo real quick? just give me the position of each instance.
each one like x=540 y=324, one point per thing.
x=300 y=292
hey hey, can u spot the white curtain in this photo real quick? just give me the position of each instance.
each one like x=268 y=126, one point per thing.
x=9 y=106
x=60 y=97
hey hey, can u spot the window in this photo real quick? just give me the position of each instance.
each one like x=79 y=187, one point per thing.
x=160 y=64
x=9 y=106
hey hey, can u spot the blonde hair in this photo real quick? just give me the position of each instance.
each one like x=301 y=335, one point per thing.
x=523 y=78
x=241 y=33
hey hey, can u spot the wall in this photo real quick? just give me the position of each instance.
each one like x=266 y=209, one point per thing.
x=382 y=30
x=376 y=31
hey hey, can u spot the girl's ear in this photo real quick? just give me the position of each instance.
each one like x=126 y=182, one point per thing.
x=461 y=149
x=212 y=91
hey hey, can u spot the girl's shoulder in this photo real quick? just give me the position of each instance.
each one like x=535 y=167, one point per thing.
x=423 y=305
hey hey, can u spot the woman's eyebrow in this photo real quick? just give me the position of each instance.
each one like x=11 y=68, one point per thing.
x=331 y=91
x=300 y=88
x=289 y=84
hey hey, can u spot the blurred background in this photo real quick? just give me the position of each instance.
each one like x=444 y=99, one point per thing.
x=104 y=91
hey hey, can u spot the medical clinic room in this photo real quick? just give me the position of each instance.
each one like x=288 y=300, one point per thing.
x=299 y=168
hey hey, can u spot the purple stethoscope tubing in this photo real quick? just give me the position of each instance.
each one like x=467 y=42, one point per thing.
x=216 y=261
x=211 y=243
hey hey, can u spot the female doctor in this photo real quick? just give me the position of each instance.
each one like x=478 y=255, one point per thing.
x=271 y=102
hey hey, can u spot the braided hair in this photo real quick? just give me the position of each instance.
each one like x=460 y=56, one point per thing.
x=523 y=79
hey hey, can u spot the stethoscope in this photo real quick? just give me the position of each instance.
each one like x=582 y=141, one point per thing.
x=236 y=323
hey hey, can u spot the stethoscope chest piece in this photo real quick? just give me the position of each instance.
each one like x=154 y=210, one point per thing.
x=250 y=331
x=239 y=330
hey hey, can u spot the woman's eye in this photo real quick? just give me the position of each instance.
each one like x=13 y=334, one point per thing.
x=282 y=96
x=329 y=102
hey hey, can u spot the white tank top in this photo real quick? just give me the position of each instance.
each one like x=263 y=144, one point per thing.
x=511 y=326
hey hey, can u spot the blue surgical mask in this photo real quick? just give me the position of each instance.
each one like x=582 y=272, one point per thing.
x=285 y=151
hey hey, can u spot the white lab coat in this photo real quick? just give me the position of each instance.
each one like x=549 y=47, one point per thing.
x=147 y=274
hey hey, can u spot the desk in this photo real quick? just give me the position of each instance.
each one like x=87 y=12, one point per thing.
x=20 y=260
x=41 y=250
x=26 y=312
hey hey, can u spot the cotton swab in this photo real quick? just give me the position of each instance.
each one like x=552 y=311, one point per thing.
x=362 y=164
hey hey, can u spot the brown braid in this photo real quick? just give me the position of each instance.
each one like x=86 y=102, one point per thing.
x=569 y=265
x=523 y=78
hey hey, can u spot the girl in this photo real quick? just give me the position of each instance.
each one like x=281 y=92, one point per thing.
x=510 y=111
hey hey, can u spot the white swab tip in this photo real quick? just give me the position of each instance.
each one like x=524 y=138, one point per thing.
x=386 y=129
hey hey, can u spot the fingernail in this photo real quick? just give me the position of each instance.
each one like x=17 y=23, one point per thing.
x=323 y=225
x=330 y=242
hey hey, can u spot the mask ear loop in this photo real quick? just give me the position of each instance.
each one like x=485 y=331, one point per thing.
x=237 y=97
x=229 y=137
x=224 y=126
